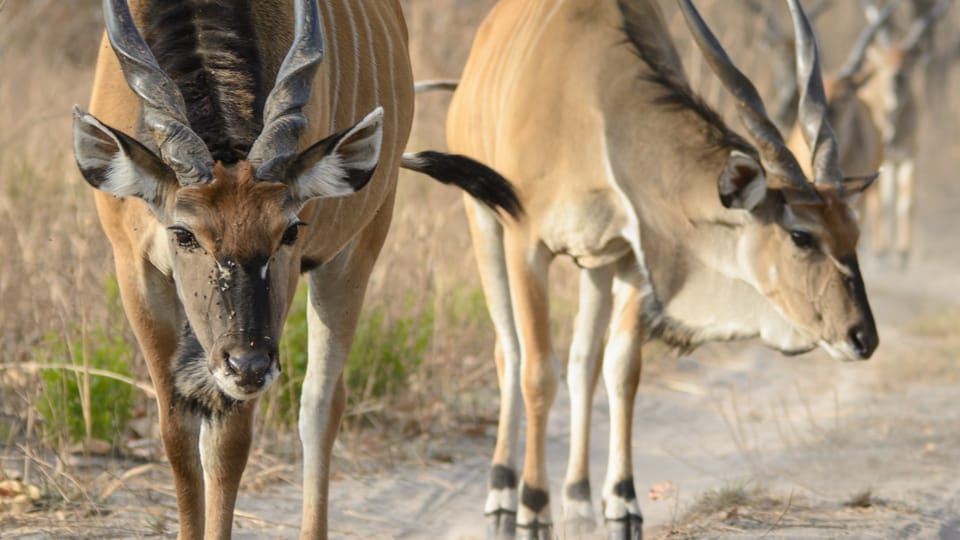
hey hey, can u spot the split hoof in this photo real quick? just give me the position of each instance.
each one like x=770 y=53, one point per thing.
x=535 y=531
x=501 y=525
x=629 y=527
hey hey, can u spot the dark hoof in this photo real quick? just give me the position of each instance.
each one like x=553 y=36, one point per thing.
x=629 y=527
x=501 y=525
x=535 y=531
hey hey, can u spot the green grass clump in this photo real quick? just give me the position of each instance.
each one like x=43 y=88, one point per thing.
x=75 y=404
x=385 y=351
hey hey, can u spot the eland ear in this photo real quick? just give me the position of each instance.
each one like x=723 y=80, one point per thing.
x=855 y=185
x=743 y=183
x=115 y=163
x=342 y=163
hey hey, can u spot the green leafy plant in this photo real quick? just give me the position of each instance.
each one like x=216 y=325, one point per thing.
x=76 y=404
x=385 y=351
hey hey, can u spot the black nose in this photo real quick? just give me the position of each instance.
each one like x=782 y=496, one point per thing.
x=864 y=340
x=250 y=368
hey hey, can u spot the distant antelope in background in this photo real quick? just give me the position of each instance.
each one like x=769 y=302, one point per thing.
x=872 y=110
x=890 y=94
x=684 y=230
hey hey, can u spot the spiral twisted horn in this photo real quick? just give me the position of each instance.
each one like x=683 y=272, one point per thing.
x=164 y=112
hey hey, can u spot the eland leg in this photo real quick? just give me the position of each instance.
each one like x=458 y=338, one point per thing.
x=887 y=191
x=904 y=211
x=872 y=219
x=502 y=498
x=527 y=265
x=151 y=306
x=224 y=449
x=337 y=289
x=622 y=361
x=583 y=364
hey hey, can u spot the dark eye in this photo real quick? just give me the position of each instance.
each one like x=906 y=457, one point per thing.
x=802 y=239
x=290 y=235
x=185 y=238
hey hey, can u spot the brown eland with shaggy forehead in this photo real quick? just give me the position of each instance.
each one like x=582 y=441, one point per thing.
x=685 y=231
x=236 y=145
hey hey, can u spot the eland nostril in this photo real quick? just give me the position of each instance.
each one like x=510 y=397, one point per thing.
x=250 y=367
x=863 y=340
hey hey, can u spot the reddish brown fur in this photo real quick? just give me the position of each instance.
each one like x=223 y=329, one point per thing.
x=235 y=214
x=238 y=217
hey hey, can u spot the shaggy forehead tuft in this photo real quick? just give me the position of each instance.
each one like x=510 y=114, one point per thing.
x=240 y=215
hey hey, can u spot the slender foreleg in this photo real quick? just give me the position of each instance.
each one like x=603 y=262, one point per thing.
x=887 y=188
x=337 y=289
x=224 y=449
x=904 y=210
x=622 y=361
x=151 y=306
x=583 y=365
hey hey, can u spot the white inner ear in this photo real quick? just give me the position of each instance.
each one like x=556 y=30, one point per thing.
x=752 y=194
x=124 y=179
x=325 y=178
x=358 y=149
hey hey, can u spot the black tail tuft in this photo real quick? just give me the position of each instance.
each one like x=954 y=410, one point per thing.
x=480 y=181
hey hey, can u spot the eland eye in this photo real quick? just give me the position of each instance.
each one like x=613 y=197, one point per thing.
x=802 y=239
x=185 y=238
x=292 y=233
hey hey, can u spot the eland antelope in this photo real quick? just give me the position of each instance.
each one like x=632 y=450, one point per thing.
x=890 y=94
x=684 y=230
x=218 y=187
